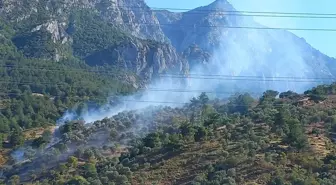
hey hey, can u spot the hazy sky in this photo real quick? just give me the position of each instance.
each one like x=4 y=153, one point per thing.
x=323 y=41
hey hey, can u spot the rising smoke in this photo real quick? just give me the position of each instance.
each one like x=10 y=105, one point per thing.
x=246 y=60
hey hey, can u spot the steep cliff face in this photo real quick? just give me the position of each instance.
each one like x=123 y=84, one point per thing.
x=48 y=40
x=121 y=33
x=133 y=16
x=202 y=26
x=100 y=43
x=147 y=59
x=196 y=56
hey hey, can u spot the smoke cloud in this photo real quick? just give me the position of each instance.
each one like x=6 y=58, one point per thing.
x=246 y=60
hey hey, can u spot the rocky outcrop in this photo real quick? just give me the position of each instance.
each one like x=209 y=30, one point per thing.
x=45 y=24
x=50 y=21
x=133 y=16
x=56 y=29
x=47 y=41
x=202 y=26
x=196 y=56
x=58 y=36
x=147 y=59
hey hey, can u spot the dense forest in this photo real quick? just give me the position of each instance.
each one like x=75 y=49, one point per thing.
x=36 y=90
x=273 y=141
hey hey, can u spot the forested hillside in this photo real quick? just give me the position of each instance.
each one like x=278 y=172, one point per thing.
x=286 y=140
x=49 y=65
x=36 y=91
x=68 y=56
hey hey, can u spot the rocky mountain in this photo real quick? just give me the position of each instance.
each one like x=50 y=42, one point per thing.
x=124 y=33
x=133 y=16
x=217 y=29
x=129 y=35
x=147 y=60
x=196 y=56
x=200 y=26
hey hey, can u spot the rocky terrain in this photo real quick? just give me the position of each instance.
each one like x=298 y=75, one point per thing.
x=54 y=30
x=58 y=27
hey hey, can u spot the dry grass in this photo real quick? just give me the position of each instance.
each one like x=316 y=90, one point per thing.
x=29 y=135
x=318 y=142
x=118 y=151
x=4 y=103
x=36 y=132
x=4 y=154
x=181 y=168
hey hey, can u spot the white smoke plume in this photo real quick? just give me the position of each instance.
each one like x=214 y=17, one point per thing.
x=246 y=60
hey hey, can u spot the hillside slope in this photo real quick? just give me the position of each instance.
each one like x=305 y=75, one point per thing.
x=61 y=55
x=269 y=141
x=60 y=58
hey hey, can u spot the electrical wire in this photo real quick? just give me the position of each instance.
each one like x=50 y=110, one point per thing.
x=235 y=27
x=243 y=11
x=143 y=89
x=151 y=101
x=220 y=10
x=187 y=76
x=240 y=13
x=248 y=79
x=203 y=78
x=245 y=76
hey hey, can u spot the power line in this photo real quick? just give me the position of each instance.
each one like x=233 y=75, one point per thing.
x=179 y=103
x=248 y=79
x=221 y=10
x=200 y=78
x=199 y=91
x=154 y=102
x=232 y=93
x=244 y=13
x=189 y=75
x=239 y=27
x=140 y=90
x=62 y=69
x=144 y=89
x=271 y=16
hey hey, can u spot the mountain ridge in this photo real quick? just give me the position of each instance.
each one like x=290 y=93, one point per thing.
x=208 y=27
x=235 y=41
x=57 y=30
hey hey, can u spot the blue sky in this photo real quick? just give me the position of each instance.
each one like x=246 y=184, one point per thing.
x=323 y=41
